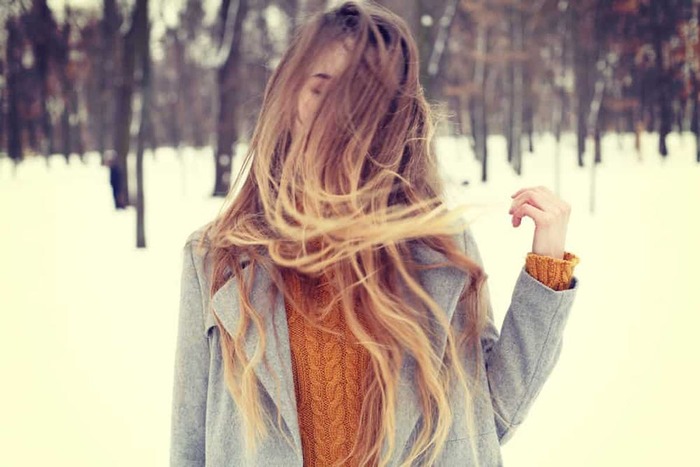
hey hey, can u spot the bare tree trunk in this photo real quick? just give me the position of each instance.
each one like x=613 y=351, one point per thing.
x=3 y=78
x=515 y=132
x=182 y=87
x=144 y=59
x=581 y=70
x=78 y=142
x=479 y=116
x=65 y=130
x=441 y=38
x=125 y=91
x=663 y=103
x=695 y=90
x=597 y=143
x=558 y=117
x=106 y=69
x=679 y=111
x=232 y=15
x=14 y=66
x=663 y=99
x=695 y=114
x=62 y=61
x=456 y=102
x=593 y=123
x=42 y=36
x=529 y=124
x=559 y=110
x=412 y=11
x=600 y=125
x=592 y=127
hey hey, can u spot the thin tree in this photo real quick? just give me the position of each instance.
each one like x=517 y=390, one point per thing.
x=564 y=11
x=142 y=34
x=106 y=69
x=478 y=100
x=441 y=38
x=124 y=102
x=580 y=23
x=43 y=34
x=68 y=112
x=515 y=129
x=231 y=16
x=659 y=29
x=14 y=68
x=3 y=84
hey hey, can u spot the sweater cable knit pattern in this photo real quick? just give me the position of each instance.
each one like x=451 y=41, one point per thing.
x=553 y=272
x=328 y=371
x=328 y=368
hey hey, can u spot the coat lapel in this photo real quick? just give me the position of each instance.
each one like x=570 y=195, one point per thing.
x=443 y=284
x=276 y=377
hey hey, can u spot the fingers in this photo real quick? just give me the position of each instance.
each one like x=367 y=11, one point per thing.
x=550 y=214
x=540 y=217
x=535 y=196
x=532 y=197
x=539 y=203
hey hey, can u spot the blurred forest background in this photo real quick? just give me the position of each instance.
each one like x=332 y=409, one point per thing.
x=121 y=77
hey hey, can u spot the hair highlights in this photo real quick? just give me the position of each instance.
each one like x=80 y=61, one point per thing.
x=344 y=200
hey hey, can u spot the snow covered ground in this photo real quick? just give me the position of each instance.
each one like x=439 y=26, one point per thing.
x=88 y=322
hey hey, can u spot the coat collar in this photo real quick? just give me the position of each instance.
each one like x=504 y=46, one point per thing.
x=443 y=284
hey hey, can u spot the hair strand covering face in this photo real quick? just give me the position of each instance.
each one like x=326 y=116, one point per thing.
x=344 y=200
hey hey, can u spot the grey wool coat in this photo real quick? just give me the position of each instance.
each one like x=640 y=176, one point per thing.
x=206 y=428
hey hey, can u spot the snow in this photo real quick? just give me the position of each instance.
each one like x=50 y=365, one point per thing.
x=88 y=321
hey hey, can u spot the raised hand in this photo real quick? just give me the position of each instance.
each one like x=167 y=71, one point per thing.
x=550 y=214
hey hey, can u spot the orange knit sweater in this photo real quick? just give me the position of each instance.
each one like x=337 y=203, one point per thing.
x=328 y=368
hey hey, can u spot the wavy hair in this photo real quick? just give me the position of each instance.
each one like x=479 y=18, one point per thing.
x=345 y=201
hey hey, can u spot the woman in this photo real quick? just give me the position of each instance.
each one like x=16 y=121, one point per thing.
x=336 y=312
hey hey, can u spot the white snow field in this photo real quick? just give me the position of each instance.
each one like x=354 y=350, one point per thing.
x=88 y=322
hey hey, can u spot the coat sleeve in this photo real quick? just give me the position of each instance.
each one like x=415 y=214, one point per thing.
x=521 y=357
x=189 y=395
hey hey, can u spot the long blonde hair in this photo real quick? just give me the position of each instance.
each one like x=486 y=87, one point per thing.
x=346 y=202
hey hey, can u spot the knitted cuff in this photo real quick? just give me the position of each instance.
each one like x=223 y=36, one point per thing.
x=555 y=273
